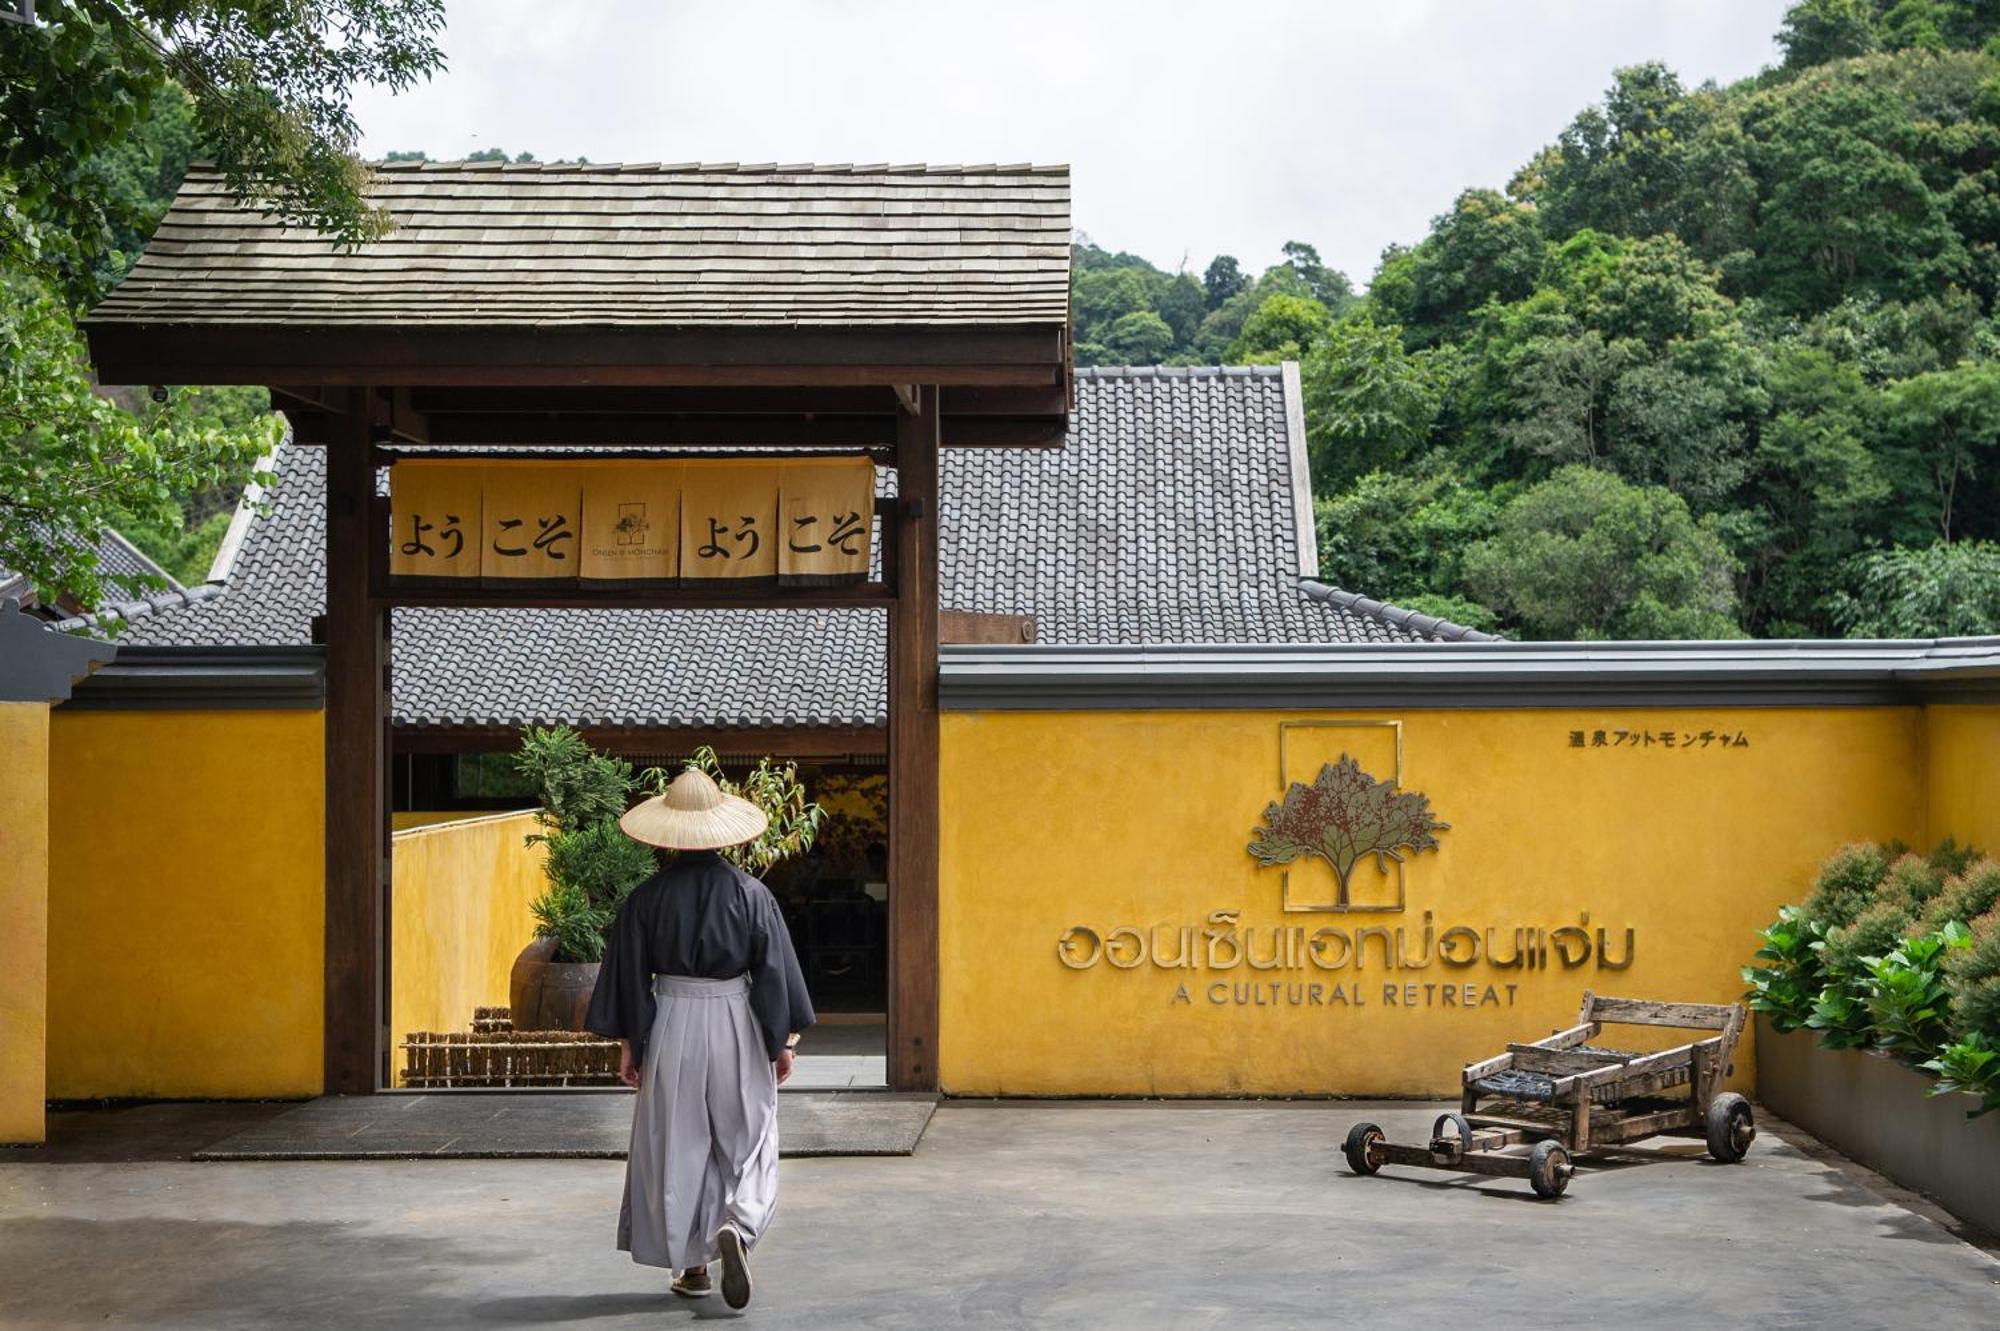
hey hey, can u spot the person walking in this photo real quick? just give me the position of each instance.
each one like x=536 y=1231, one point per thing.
x=703 y=991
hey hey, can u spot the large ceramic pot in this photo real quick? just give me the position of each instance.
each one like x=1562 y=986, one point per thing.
x=549 y=995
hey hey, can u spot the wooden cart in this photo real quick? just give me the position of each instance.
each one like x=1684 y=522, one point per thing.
x=1570 y=1098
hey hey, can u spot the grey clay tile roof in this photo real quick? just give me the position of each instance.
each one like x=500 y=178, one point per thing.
x=1167 y=518
x=127 y=571
x=692 y=245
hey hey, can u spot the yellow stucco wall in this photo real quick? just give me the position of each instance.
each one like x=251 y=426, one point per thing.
x=1965 y=774
x=459 y=917
x=1140 y=819
x=186 y=903
x=24 y=919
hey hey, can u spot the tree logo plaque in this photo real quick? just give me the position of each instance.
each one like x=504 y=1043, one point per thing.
x=1345 y=817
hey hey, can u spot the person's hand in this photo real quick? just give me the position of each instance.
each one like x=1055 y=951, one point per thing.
x=784 y=1065
x=628 y=1071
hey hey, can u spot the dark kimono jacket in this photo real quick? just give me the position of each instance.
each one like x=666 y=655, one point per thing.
x=703 y=917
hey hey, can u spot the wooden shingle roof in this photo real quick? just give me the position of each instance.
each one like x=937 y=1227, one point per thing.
x=661 y=246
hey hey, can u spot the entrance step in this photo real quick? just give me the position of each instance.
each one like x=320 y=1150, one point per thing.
x=508 y=1125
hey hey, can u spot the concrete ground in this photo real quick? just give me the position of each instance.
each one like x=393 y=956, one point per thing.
x=841 y=1054
x=1139 y=1215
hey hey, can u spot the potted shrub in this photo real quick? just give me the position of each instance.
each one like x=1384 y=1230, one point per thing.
x=590 y=866
x=1893 y=963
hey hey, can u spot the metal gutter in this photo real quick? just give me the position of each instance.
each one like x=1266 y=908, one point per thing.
x=1472 y=674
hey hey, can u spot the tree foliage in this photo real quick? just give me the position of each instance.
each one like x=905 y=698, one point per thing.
x=1718 y=360
x=1935 y=590
x=1128 y=312
x=1586 y=555
x=103 y=103
x=75 y=462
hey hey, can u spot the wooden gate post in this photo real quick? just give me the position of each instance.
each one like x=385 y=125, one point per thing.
x=357 y=669
x=913 y=755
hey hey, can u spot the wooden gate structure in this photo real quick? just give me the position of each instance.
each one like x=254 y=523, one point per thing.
x=677 y=310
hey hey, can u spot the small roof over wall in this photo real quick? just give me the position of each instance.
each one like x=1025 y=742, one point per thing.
x=600 y=280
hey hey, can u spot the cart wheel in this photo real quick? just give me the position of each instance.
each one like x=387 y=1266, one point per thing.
x=1361 y=1138
x=1731 y=1127
x=1549 y=1169
x=1444 y=1150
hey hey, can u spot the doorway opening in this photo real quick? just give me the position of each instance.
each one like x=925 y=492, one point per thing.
x=834 y=899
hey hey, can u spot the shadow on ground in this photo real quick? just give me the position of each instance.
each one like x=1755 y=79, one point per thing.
x=134 y=1133
x=190 y=1269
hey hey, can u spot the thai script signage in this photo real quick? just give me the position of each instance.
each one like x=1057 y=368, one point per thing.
x=1279 y=964
x=796 y=521
x=1351 y=823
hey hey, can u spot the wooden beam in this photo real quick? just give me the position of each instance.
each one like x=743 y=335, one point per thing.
x=601 y=429
x=913 y=756
x=870 y=401
x=406 y=424
x=748 y=741
x=861 y=595
x=357 y=845
x=309 y=399
x=575 y=356
x=968 y=626
x=882 y=400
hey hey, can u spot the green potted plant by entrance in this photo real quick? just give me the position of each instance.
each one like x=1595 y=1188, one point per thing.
x=590 y=865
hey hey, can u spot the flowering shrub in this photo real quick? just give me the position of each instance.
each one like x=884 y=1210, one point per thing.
x=1894 y=952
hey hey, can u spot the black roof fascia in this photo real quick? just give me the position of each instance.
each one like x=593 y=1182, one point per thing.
x=1471 y=675
x=202 y=678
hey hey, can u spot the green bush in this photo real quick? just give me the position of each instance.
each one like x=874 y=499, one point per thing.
x=1968 y=1066
x=1974 y=892
x=1790 y=977
x=1972 y=977
x=577 y=785
x=1913 y=882
x=1951 y=859
x=591 y=864
x=1847 y=884
x=601 y=861
x=1874 y=933
x=566 y=913
x=1896 y=952
x=1909 y=1010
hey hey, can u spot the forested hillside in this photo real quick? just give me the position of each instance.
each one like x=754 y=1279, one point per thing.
x=1717 y=361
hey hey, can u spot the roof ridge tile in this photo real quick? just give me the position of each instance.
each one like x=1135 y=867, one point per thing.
x=1414 y=620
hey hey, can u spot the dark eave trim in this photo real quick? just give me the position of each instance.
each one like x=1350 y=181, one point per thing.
x=732 y=740
x=1471 y=675
x=582 y=356
x=206 y=678
x=39 y=664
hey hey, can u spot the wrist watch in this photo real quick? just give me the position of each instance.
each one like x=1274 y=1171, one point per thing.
x=792 y=1041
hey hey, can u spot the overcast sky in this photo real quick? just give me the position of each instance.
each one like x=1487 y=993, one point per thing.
x=1194 y=127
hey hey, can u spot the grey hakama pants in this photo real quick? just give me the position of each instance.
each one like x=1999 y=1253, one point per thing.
x=705 y=1127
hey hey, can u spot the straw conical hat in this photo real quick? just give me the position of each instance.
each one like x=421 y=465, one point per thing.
x=694 y=814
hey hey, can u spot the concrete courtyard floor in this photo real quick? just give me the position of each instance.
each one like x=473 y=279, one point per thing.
x=1099 y=1215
